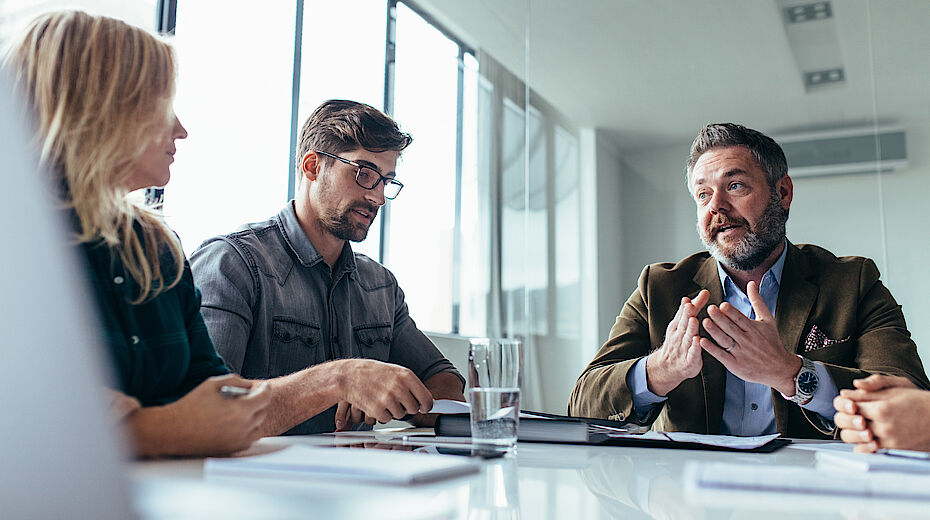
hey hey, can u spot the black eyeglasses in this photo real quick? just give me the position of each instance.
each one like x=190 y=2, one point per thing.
x=369 y=178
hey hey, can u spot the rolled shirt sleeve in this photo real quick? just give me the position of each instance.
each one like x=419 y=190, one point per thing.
x=412 y=349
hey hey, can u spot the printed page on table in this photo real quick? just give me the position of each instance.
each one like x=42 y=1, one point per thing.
x=724 y=441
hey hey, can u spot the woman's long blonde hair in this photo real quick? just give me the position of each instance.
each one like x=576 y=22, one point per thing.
x=98 y=88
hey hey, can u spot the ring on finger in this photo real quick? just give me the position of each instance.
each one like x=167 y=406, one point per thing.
x=732 y=344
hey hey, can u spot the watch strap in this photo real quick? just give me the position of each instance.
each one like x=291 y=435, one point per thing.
x=799 y=396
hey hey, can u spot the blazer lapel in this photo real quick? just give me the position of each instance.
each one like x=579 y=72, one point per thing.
x=796 y=297
x=713 y=374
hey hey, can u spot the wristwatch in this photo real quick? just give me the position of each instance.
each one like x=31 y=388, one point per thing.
x=805 y=383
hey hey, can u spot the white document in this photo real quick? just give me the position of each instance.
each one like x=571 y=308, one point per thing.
x=870 y=462
x=757 y=477
x=449 y=406
x=348 y=464
x=834 y=447
x=724 y=441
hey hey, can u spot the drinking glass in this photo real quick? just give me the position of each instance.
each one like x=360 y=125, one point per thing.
x=494 y=367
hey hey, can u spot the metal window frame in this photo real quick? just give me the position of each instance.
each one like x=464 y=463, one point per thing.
x=166 y=14
x=166 y=21
x=295 y=99
x=389 y=82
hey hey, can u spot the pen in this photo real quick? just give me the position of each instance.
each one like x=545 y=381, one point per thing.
x=233 y=391
x=909 y=454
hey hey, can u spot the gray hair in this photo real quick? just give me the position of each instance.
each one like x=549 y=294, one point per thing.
x=767 y=153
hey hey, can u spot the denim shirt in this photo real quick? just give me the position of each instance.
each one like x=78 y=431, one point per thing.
x=273 y=307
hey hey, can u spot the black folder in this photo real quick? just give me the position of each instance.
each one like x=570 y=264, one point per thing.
x=559 y=429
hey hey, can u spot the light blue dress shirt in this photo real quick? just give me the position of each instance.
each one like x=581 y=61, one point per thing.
x=747 y=408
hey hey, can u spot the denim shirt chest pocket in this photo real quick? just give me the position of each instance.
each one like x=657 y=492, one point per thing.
x=295 y=345
x=374 y=340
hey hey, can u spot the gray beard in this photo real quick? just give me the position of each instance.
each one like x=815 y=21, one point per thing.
x=756 y=246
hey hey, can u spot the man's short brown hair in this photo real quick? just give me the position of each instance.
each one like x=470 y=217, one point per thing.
x=339 y=125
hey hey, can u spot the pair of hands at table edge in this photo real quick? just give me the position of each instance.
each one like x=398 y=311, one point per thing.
x=884 y=411
x=750 y=349
x=204 y=422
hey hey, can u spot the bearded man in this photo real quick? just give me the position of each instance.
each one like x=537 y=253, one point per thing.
x=756 y=335
x=289 y=293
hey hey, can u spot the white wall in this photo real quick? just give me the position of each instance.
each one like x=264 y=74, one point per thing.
x=612 y=238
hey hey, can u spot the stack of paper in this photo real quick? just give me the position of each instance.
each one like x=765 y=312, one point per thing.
x=350 y=464
x=755 y=477
x=827 y=460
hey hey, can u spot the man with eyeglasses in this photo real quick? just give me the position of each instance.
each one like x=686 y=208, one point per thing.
x=289 y=293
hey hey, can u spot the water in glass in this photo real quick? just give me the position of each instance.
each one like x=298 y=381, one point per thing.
x=494 y=416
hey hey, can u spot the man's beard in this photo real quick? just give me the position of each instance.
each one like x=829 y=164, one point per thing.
x=342 y=227
x=756 y=245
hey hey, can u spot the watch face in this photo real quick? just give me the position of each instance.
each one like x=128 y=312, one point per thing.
x=807 y=382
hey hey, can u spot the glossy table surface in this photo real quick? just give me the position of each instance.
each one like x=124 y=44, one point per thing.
x=537 y=481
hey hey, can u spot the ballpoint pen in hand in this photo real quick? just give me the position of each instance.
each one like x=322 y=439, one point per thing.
x=233 y=391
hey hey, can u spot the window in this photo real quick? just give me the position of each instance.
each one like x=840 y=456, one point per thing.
x=234 y=98
x=422 y=221
x=14 y=16
x=344 y=61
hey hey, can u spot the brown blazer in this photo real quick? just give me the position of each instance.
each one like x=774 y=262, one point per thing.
x=860 y=330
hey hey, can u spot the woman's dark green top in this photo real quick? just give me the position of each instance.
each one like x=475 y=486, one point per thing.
x=160 y=348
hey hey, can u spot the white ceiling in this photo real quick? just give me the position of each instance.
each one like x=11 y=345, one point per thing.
x=652 y=73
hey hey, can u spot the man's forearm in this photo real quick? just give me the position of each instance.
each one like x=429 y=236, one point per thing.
x=299 y=396
x=446 y=385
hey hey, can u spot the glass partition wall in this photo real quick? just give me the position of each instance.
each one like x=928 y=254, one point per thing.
x=843 y=86
x=549 y=143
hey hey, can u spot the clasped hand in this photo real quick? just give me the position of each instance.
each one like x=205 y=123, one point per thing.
x=883 y=412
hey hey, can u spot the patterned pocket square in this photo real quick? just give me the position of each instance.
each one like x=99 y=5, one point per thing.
x=817 y=340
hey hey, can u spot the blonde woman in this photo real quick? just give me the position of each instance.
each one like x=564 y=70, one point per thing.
x=101 y=92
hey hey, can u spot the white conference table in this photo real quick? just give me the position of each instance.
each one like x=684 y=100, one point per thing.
x=538 y=481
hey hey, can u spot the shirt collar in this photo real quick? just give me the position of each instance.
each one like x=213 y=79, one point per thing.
x=776 y=270
x=301 y=246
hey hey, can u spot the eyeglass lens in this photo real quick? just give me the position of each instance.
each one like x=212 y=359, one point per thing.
x=368 y=178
